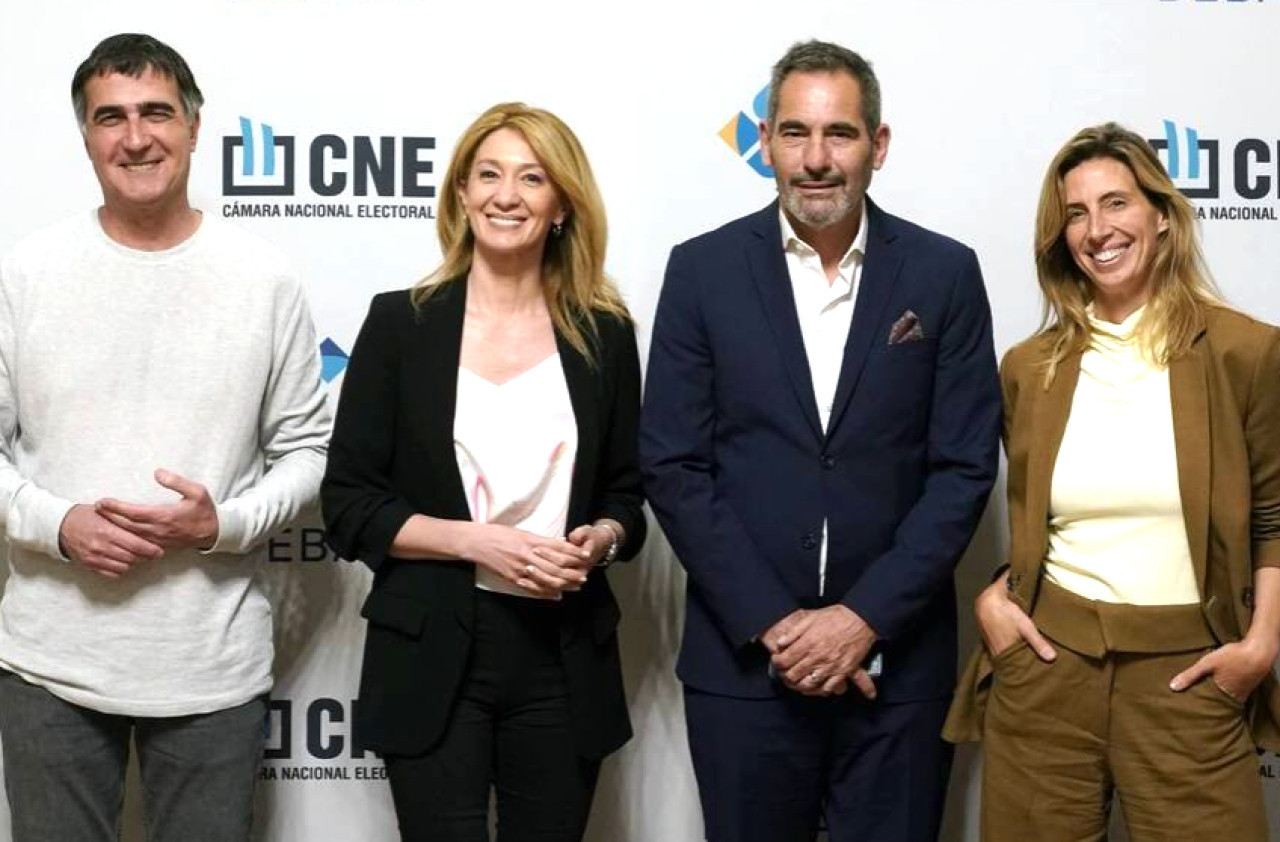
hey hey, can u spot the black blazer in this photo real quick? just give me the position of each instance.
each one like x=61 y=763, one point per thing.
x=392 y=455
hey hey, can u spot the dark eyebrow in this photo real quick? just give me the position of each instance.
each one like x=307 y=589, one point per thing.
x=841 y=127
x=107 y=111
x=158 y=106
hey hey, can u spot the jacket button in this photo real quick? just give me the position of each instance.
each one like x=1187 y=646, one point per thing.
x=809 y=541
x=1246 y=596
x=828 y=461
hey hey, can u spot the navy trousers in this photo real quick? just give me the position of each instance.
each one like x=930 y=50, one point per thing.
x=777 y=769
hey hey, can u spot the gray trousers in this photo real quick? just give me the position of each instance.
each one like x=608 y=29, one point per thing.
x=64 y=769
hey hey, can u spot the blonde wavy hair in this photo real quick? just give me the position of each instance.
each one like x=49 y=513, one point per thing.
x=1180 y=281
x=573 y=277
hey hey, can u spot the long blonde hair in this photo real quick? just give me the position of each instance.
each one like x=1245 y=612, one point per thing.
x=1180 y=281
x=573 y=277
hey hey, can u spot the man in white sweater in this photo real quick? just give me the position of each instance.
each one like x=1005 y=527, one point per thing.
x=161 y=414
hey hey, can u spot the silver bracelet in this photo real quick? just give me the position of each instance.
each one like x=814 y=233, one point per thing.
x=611 y=554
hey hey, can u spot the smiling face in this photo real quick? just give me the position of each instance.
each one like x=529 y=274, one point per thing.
x=140 y=141
x=1113 y=233
x=508 y=197
x=820 y=148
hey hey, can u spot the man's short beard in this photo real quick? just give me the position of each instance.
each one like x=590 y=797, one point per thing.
x=821 y=214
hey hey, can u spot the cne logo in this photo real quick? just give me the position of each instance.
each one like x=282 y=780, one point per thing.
x=1239 y=177
x=311 y=740
x=248 y=170
x=333 y=360
x=361 y=165
x=1191 y=162
x=742 y=134
x=389 y=176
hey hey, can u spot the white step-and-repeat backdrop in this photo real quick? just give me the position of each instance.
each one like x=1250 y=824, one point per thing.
x=329 y=124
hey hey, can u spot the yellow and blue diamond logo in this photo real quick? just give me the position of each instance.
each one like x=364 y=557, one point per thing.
x=742 y=133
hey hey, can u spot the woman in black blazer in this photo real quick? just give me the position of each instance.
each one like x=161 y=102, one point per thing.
x=487 y=514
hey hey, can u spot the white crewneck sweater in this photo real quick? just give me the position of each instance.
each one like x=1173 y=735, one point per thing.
x=200 y=359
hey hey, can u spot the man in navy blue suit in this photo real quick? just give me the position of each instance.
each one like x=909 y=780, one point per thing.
x=819 y=437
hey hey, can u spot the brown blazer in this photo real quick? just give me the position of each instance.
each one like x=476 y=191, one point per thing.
x=1225 y=393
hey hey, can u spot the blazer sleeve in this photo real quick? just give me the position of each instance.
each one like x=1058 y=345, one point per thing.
x=963 y=459
x=677 y=458
x=618 y=476
x=362 y=511
x=1262 y=435
x=1009 y=387
x=1015 y=488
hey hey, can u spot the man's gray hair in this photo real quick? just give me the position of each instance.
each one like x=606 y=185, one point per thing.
x=825 y=57
x=132 y=54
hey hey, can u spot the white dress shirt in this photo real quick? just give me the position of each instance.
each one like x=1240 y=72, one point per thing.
x=825 y=310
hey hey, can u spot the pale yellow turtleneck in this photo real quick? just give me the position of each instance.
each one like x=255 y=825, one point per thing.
x=1116 y=531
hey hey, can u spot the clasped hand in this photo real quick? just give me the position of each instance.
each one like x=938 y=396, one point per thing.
x=112 y=536
x=818 y=652
x=545 y=567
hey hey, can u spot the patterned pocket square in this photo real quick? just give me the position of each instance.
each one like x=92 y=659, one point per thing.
x=906 y=329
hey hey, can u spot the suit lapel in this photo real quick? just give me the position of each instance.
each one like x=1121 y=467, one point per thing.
x=582 y=381
x=438 y=341
x=1050 y=411
x=773 y=283
x=438 y=350
x=880 y=268
x=1189 y=395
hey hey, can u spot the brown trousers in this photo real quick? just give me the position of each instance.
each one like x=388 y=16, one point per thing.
x=1061 y=738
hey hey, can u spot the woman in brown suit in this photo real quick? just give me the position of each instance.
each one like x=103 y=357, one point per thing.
x=1128 y=644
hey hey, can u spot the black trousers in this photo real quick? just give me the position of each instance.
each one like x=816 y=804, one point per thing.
x=509 y=733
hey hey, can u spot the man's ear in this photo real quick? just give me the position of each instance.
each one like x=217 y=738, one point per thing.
x=765 y=135
x=880 y=145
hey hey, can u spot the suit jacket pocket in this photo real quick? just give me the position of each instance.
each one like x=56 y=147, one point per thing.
x=1008 y=653
x=395 y=611
x=901 y=350
x=400 y=712
x=910 y=360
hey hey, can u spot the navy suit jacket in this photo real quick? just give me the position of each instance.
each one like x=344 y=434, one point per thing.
x=741 y=475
